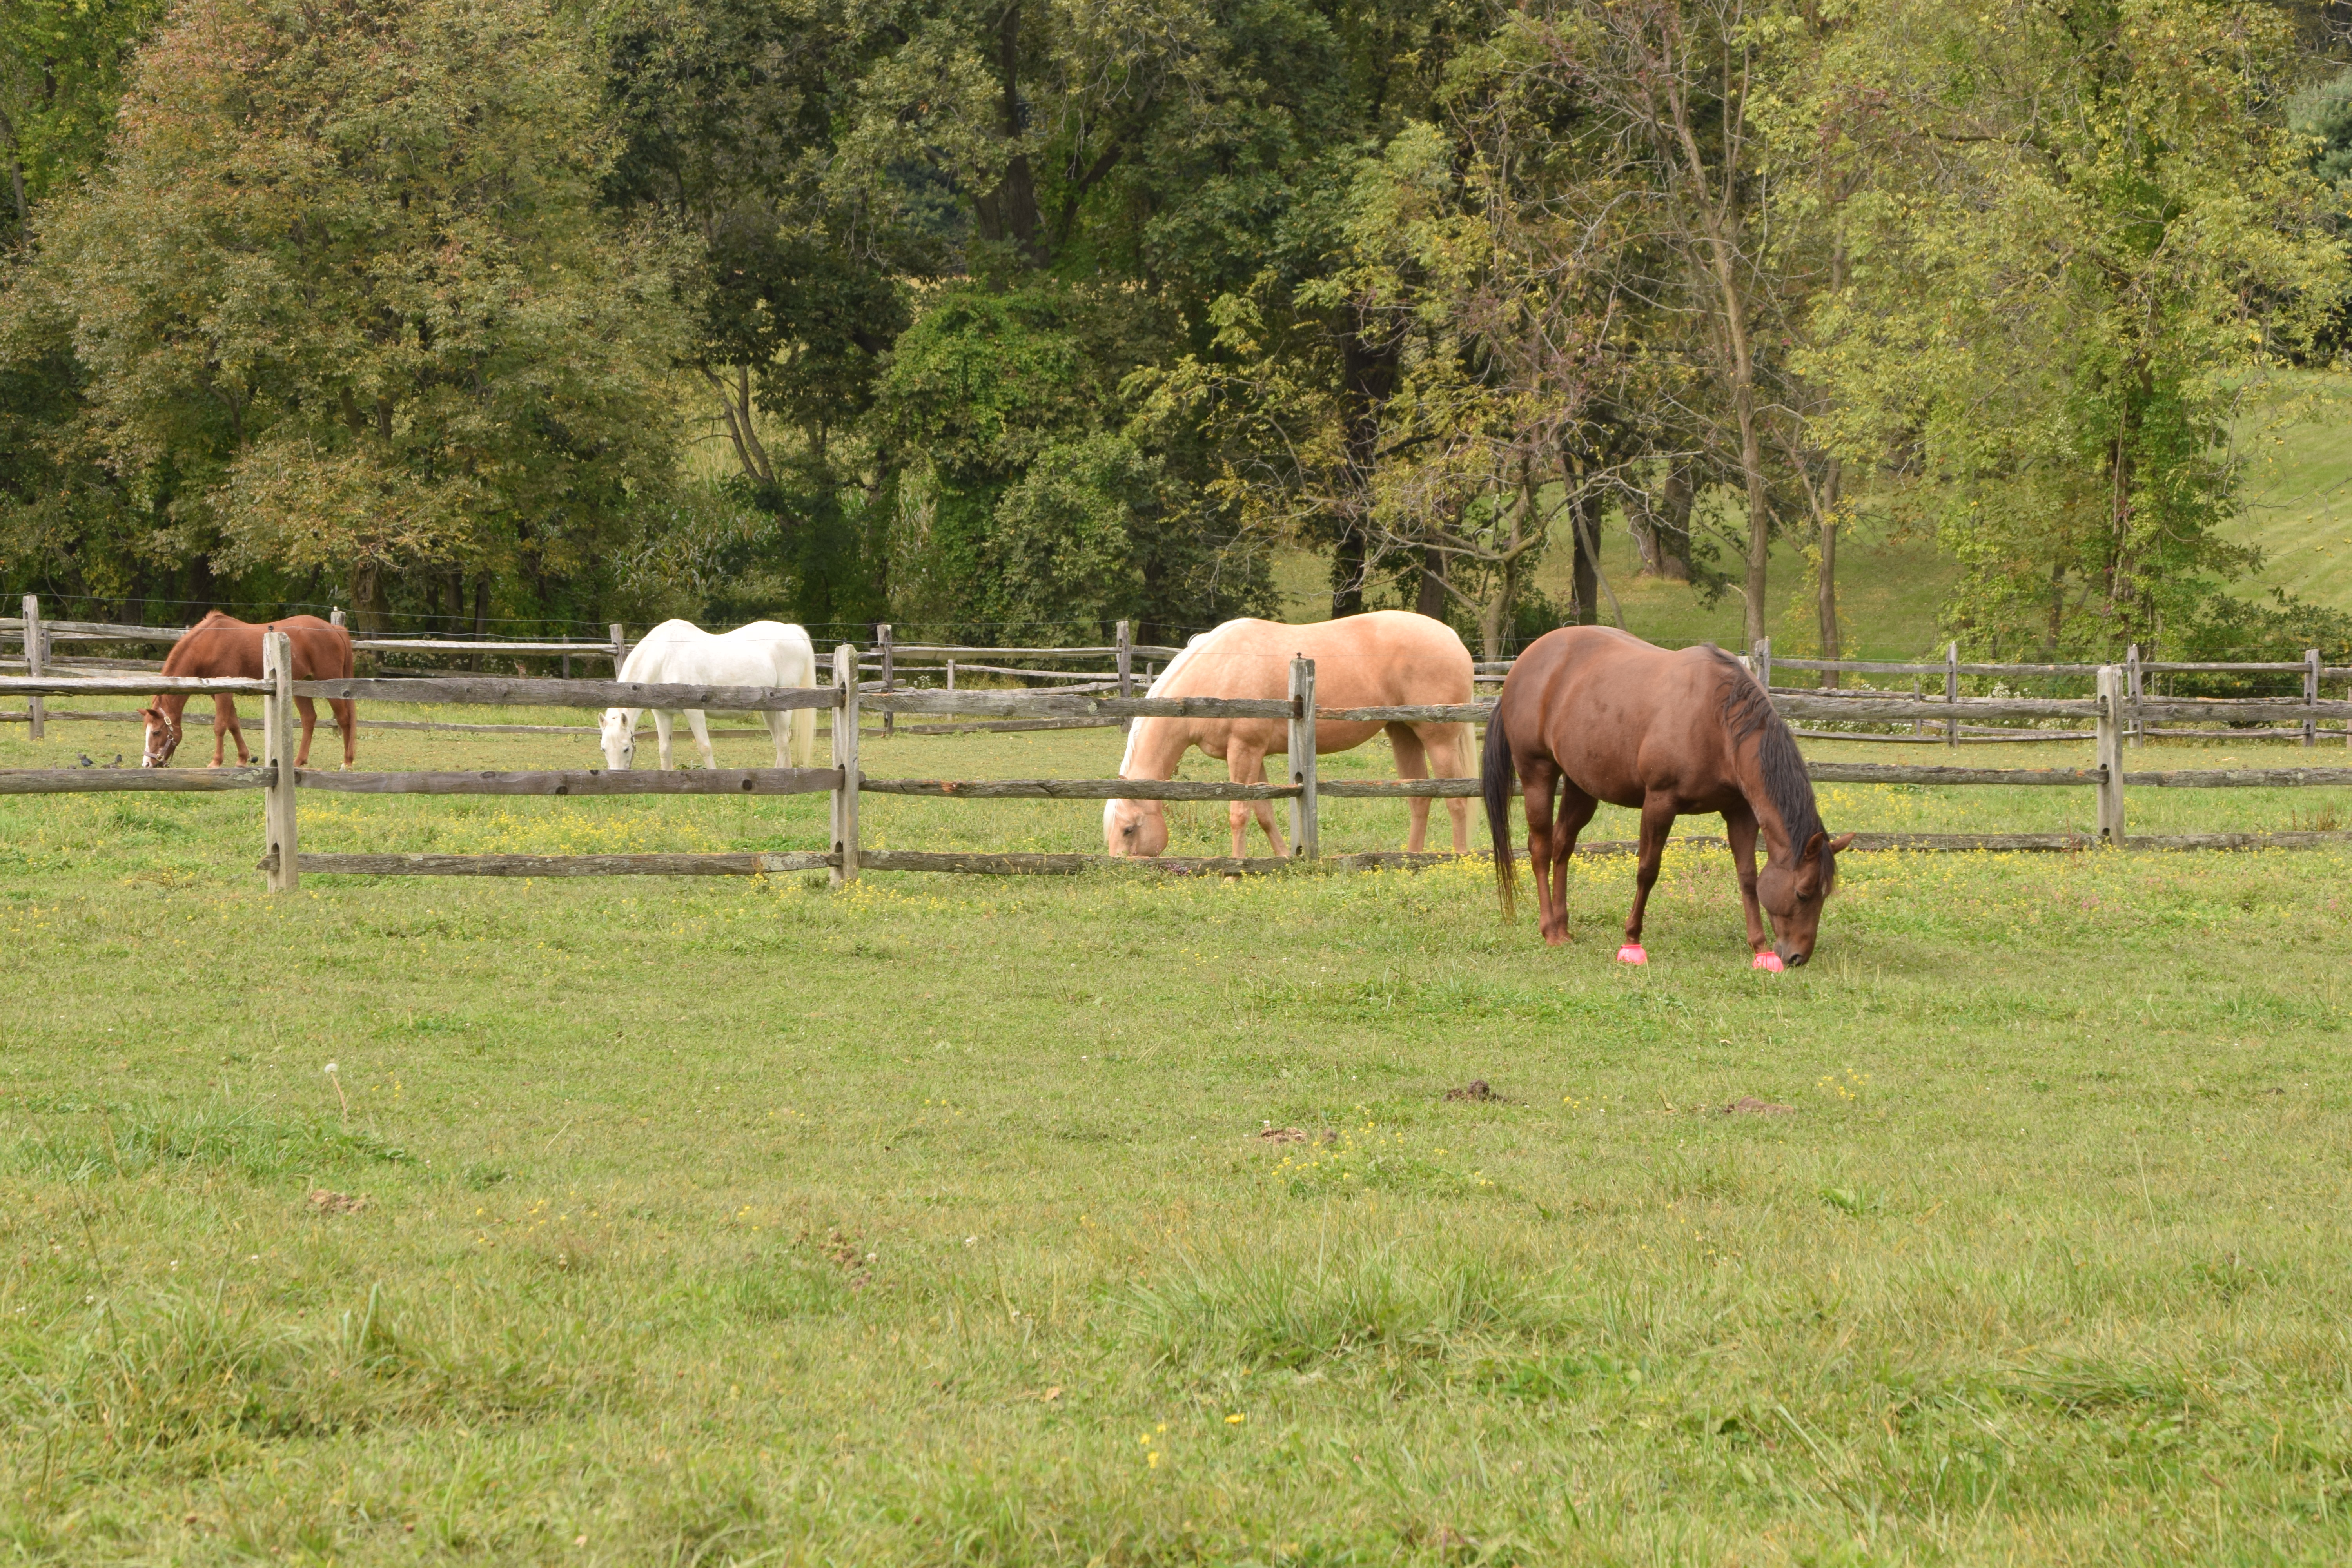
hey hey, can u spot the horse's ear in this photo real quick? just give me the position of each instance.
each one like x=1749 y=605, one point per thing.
x=1842 y=842
x=1813 y=850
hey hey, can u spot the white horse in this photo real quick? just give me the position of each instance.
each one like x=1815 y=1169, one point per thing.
x=765 y=653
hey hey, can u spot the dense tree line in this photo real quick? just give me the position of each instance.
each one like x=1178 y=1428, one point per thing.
x=1032 y=315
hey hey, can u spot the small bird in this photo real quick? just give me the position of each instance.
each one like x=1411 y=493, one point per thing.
x=85 y=759
x=118 y=760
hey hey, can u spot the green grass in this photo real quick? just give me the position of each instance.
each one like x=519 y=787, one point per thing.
x=734 y=1220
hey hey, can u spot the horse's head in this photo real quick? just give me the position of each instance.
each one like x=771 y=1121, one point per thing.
x=1134 y=827
x=620 y=737
x=1793 y=894
x=163 y=736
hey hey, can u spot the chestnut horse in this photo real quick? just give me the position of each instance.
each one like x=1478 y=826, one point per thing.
x=221 y=646
x=1389 y=658
x=1600 y=715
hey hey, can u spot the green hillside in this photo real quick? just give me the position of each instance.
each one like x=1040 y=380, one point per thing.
x=2298 y=441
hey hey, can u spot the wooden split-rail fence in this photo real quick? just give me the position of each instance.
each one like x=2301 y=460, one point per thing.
x=888 y=667
x=2111 y=713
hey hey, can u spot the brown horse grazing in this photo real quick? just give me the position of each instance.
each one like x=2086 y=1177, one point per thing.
x=1389 y=658
x=221 y=646
x=1611 y=717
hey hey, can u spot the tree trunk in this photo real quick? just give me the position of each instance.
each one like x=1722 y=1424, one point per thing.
x=1670 y=525
x=481 y=612
x=1371 y=378
x=1585 y=606
x=15 y=172
x=371 y=606
x=1348 y=573
x=1010 y=211
x=1825 y=590
x=1718 y=223
x=1826 y=604
x=1431 y=600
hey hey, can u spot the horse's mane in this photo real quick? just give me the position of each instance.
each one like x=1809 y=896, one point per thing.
x=1747 y=711
x=1199 y=641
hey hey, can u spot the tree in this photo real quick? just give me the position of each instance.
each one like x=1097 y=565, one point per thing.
x=61 y=71
x=340 y=301
x=2085 y=228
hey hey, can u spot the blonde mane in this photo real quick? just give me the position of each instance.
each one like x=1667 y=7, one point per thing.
x=1199 y=643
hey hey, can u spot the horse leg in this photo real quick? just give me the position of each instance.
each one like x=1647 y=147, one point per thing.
x=1537 y=784
x=1657 y=821
x=346 y=713
x=1249 y=767
x=309 y=711
x=700 y=725
x=1575 y=809
x=1740 y=827
x=224 y=727
x=1465 y=766
x=661 y=738
x=1413 y=763
x=779 y=727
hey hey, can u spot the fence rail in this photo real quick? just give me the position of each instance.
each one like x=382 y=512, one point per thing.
x=2113 y=711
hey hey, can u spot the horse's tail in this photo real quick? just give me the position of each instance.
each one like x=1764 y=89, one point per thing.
x=1495 y=774
x=803 y=740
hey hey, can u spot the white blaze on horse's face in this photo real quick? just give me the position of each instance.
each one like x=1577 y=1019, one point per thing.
x=1134 y=827
x=619 y=738
x=162 y=739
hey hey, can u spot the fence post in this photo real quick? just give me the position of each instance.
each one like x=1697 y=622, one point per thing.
x=889 y=720
x=280 y=849
x=36 y=661
x=1918 y=726
x=1306 y=840
x=1764 y=663
x=620 y=649
x=2132 y=687
x=845 y=757
x=1952 y=692
x=2111 y=755
x=335 y=616
x=1126 y=671
x=2311 y=694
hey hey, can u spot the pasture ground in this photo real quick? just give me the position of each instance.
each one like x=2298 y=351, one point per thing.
x=734 y=1221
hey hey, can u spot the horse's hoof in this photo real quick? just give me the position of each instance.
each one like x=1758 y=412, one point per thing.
x=1632 y=953
x=1770 y=962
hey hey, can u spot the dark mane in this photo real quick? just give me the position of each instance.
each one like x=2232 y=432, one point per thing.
x=1747 y=711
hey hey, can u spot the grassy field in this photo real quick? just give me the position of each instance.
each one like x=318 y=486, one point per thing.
x=734 y=1221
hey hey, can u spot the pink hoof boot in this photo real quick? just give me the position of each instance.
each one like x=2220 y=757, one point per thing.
x=1632 y=953
x=1768 y=960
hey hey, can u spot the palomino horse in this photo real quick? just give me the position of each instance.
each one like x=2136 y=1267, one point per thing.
x=1389 y=658
x=1611 y=717
x=220 y=645
x=765 y=653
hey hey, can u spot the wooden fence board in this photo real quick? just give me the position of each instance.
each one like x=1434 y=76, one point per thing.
x=1066 y=705
x=519 y=692
x=587 y=782
x=1077 y=789
x=2159 y=709
x=126 y=685
x=755 y=863
x=1417 y=713
x=2241 y=778
x=131 y=780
